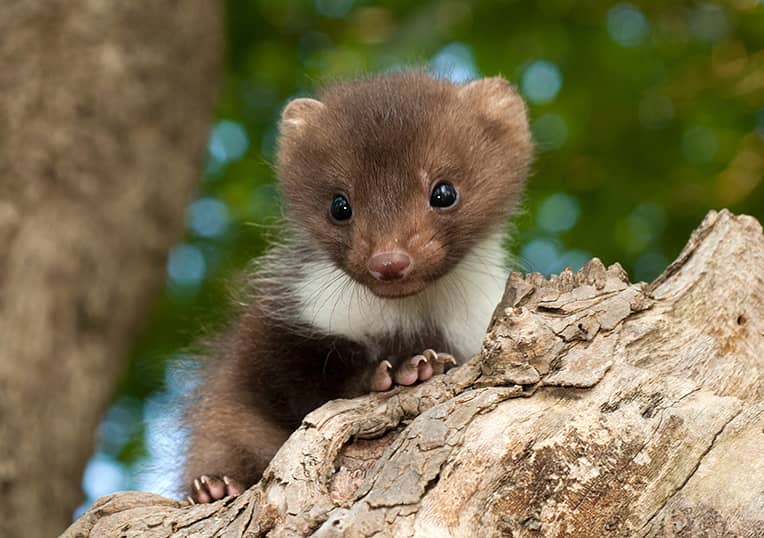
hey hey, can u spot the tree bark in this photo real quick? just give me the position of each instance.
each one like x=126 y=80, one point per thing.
x=595 y=408
x=103 y=118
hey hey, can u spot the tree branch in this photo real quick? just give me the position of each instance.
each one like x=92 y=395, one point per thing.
x=595 y=408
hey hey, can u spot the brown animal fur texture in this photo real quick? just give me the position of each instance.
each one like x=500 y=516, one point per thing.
x=320 y=325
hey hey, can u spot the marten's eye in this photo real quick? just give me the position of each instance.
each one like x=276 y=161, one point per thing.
x=443 y=195
x=340 y=209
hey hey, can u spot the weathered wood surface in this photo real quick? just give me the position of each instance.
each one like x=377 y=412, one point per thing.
x=596 y=408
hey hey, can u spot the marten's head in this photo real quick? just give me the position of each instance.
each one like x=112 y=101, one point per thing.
x=397 y=177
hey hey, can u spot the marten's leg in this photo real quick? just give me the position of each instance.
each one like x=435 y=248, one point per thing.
x=232 y=441
x=229 y=450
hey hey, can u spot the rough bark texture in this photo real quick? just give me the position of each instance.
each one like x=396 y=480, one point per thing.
x=104 y=111
x=596 y=408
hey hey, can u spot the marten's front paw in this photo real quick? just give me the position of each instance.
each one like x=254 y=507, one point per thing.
x=418 y=368
x=207 y=489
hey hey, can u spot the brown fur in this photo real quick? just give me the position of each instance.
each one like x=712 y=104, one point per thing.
x=373 y=137
x=383 y=142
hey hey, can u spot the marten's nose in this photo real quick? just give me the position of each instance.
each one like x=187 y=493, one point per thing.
x=392 y=265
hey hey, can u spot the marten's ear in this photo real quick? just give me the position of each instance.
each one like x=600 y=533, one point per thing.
x=299 y=113
x=504 y=114
x=496 y=98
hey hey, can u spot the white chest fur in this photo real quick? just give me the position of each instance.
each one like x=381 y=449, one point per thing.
x=459 y=304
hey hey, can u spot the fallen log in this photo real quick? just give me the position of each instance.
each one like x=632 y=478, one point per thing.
x=596 y=407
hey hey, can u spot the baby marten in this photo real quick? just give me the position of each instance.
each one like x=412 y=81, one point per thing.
x=397 y=190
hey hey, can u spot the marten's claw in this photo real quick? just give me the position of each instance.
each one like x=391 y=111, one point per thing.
x=407 y=372
x=207 y=489
x=440 y=361
x=417 y=368
x=381 y=379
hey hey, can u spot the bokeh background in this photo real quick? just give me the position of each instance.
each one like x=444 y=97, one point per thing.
x=646 y=115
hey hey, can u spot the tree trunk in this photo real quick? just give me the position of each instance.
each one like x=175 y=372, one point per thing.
x=104 y=113
x=596 y=408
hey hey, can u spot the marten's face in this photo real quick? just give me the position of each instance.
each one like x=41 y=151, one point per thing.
x=398 y=177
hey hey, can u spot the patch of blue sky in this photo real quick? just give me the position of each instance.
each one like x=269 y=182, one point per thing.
x=541 y=82
x=627 y=25
x=455 y=62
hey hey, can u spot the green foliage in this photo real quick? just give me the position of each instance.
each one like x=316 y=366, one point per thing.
x=647 y=115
